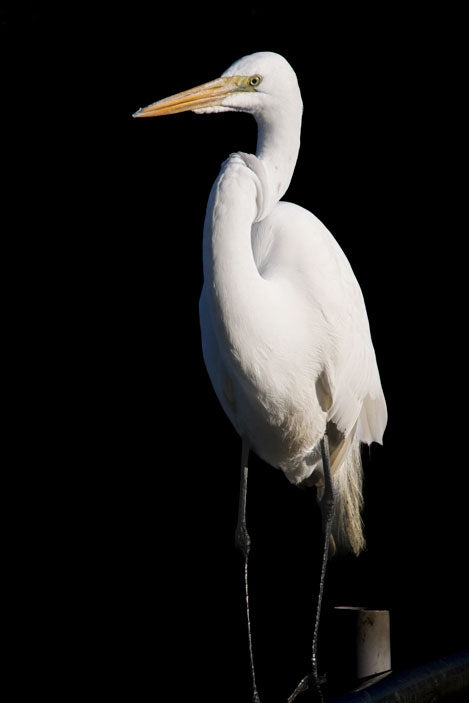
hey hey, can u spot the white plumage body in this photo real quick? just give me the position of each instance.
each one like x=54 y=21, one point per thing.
x=295 y=352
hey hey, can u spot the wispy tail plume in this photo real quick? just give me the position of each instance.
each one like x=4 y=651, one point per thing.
x=347 y=529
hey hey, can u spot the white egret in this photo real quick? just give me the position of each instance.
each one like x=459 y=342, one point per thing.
x=285 y=332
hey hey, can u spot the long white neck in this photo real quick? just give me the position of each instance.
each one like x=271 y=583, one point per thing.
x=242 y=302
x=278 y=144
x=231 y=278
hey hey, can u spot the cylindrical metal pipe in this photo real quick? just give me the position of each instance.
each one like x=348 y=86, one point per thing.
x=445 y=679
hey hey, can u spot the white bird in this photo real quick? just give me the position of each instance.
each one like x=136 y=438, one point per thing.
x=285 y=333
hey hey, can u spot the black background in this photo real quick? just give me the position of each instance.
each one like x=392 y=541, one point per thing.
x=126 y=513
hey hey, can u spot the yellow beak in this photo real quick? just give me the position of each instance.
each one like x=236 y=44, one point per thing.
x=206 y=95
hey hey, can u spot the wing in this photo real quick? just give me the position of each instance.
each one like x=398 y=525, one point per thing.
x=292 y=243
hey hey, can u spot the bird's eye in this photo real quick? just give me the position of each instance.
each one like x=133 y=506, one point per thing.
x=254 y=81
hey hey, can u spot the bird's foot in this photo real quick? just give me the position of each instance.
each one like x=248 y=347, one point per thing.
x=311 y=682
x=302 y=686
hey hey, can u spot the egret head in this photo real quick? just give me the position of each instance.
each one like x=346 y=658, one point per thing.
x=258 y=83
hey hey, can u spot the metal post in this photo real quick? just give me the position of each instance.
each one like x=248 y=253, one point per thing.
x=362 y=646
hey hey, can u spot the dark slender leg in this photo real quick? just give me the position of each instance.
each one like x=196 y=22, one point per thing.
x=327 y=510
x=243 y=542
